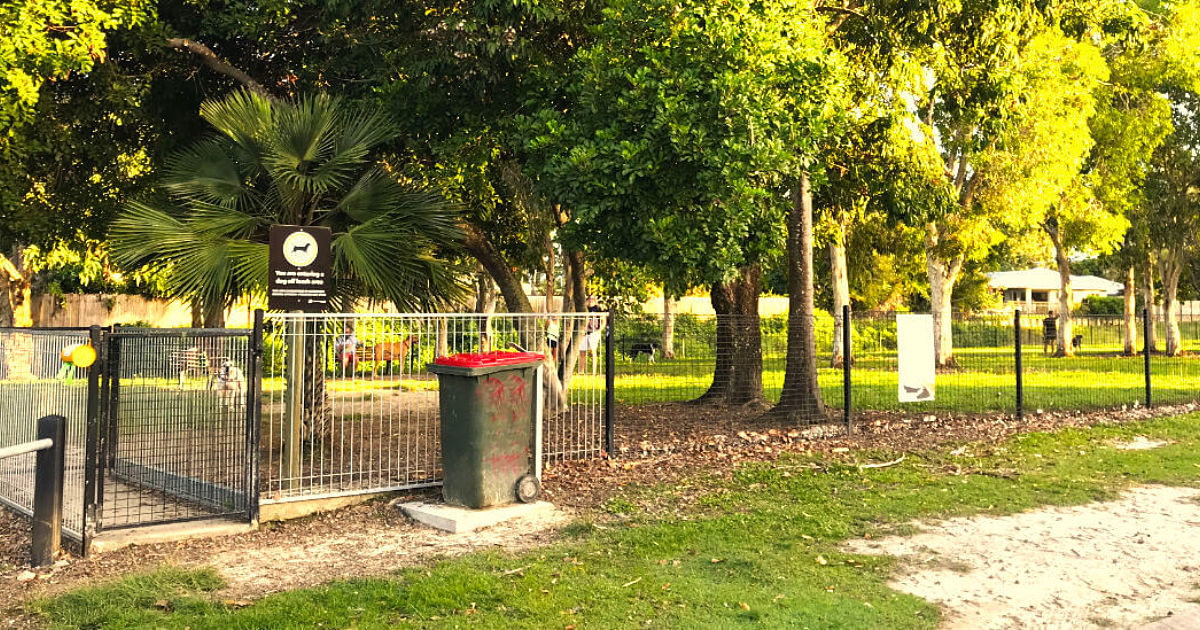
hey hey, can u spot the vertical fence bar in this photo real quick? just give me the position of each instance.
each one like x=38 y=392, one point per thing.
x=48 y=490
x=846 y=363
x=1146 y=324
x=91 y=452
x=1017 y=364
x=254 y=415
x=610 y=386
x=293 y=412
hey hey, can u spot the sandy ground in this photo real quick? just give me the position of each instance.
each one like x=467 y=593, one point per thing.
x=1117 y=564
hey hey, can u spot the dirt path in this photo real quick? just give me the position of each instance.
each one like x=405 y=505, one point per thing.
x=373 y=539
x=1116 y=564
x=358 y=541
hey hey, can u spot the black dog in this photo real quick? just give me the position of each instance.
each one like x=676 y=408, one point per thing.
x=301 y=248
x=1077 y=342
x=646 y=348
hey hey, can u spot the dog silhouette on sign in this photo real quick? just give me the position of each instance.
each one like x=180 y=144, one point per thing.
x=301 y=248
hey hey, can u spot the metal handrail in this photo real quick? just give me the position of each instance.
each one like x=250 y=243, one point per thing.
x=50 y=447
x=26 y=447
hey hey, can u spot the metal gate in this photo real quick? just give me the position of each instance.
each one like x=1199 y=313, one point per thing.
x=176 y=433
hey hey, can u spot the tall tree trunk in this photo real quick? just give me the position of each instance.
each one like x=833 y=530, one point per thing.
x=668 y=330
x=214 y=315
x=1172 y=266
x=572 y=331
x=317 y=406
x=14 y=294
x=747 y=385
x=942 y=276
x=800 y=400
x=1148 y=303
x=1065 y=331
x=441 y=346
x=197 y=312
x=841 y=288
x=721 y=295
x=485 y=305
x=1130 y=313
x=551 y=263
x=506 y=279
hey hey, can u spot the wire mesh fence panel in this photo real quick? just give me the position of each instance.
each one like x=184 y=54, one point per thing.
x=980 y=376
x=1088 y=371
x=177 y=435
x=655 y=367
x=349 y=405
x=1176 y=379
x=35 y=381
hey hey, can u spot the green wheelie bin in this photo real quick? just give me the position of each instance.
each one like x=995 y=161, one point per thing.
x=488 y=407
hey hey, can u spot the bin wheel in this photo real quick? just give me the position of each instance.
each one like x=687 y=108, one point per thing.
x=528 y=489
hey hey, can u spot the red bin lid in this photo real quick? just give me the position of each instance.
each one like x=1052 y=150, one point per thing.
x=488 y=359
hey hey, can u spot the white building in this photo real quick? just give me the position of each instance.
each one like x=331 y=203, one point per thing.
x=1036 y=290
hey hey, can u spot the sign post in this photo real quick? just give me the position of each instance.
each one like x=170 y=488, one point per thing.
x=300 y=281
x=915 y=358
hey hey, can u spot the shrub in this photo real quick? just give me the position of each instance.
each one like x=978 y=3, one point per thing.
x=1102 y=305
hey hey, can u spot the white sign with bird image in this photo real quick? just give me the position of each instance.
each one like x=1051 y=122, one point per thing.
x=915 y=358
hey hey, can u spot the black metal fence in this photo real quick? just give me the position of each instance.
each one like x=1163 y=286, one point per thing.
x=161 y=427
x=178 y=423
x=654 y=369
x=166 y=425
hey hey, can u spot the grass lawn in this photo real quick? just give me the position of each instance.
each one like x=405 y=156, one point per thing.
x=759 y=548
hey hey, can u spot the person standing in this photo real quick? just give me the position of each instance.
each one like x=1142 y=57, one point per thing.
x=1050 y=333
x=553 y=332
x=345 y=348
x=591 y=340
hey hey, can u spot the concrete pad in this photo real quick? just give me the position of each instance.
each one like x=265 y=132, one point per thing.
x=456 y=520
x=286 y=510
x=171 y=532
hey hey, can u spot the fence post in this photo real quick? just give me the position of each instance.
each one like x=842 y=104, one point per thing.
x=1146 y=324
x=846 y=361
x=293 y=409
x=254 y=414
x=48 y=491
x=1017 y=365
x=112 y=409
x=92 y=439
x=610 y=390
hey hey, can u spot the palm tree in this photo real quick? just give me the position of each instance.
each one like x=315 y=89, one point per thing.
x=310 y=161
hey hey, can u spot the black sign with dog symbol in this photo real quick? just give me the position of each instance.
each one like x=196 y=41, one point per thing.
x=300 y=266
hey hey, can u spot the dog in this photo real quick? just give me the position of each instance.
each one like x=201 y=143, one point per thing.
x=230 y=384
x=389 y=351
x=1077 y=342
x=301 y=248
x=638 y=349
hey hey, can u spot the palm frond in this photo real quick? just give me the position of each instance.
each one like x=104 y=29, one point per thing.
x=374 y=194
x=303 y=162
x=301 y=143
x=365 y=127
x=206 y=171
x=242 y=117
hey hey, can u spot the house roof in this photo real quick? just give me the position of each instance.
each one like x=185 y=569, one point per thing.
x=1040 y=279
